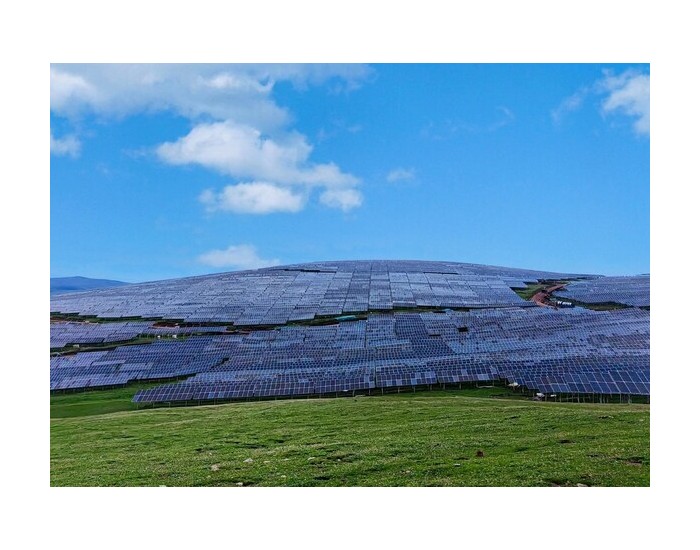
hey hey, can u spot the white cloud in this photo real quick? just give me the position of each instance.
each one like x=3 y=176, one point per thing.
x=629 y=94
x=242 y=151
x=193 y=91
x=569 y=105
x=346 y=77
x=252 y=198
x=70 y=90
x=345 y=199
x=241 y=92
x=277 y=165
x=401 y=174
x=65 y=146
x=228 y=81
x=241 y=256
x=626 y=94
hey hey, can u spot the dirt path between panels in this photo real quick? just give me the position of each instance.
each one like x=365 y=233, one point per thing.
x=543 y=296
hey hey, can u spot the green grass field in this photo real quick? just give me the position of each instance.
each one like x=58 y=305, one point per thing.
x=406 y=439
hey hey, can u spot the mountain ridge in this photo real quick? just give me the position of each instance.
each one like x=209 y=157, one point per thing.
x=63 y=285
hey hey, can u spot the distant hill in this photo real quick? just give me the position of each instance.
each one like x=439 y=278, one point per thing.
x=61 y=285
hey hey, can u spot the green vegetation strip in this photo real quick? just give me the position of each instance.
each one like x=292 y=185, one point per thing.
x=78 y=318
x=443 y=438
x=529 y=292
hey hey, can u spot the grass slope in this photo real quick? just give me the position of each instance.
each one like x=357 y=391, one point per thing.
x=421 y=439
x=94 y=402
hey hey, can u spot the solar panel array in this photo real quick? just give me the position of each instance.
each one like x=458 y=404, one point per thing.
x=275 y=296
x=631 y=291
x=90 y=333
x=500 y=338
x=63 y=334
x=573 y=351
x=158 y=361
x=578 y=351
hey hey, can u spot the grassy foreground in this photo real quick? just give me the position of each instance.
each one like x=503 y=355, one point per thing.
x=423 y=439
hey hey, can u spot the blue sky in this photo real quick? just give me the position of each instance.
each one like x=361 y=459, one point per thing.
x=176 y=170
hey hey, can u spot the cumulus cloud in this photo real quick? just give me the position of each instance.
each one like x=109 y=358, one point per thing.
x=241 y=256
x=345 y=199
x=239 y=150
x=241 y=92
x=238 y=129
x=252 y=198
x=401 y=174
x=192 y=91
x=65 y=146
x=69 y=91
x=628 y=94
x=277 y=165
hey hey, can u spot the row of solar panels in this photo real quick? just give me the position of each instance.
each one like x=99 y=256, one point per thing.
x=609 y=383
